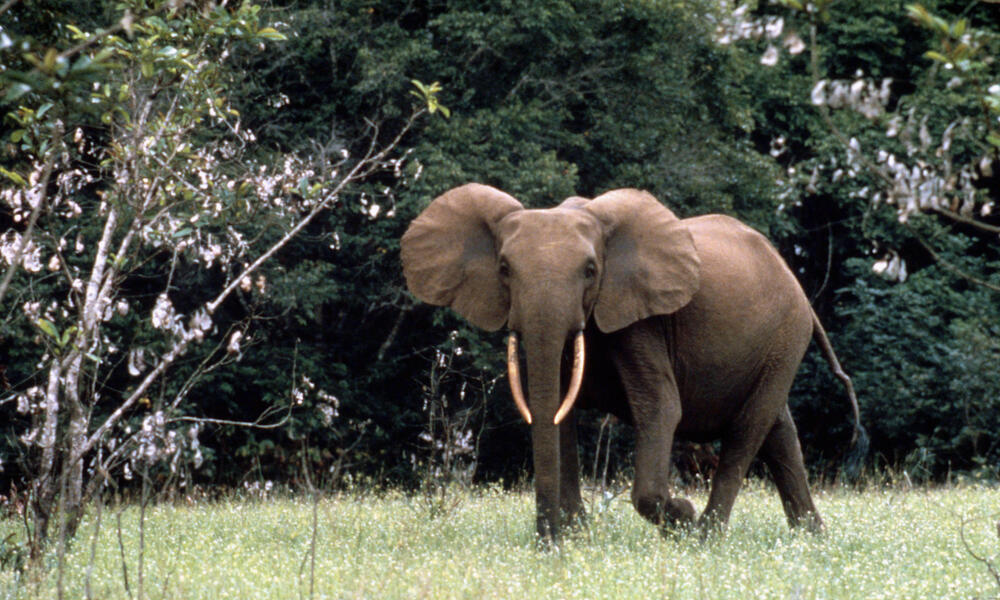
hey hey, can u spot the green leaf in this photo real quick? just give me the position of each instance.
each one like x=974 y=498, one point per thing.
x=67 y=335
x=13 y=176
x=16 y=91
x=931 y=54
x=17 y=135
x=994 y=139
x=271 y=34
x=48 y=328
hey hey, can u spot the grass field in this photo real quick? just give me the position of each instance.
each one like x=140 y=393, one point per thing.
x=888 y=543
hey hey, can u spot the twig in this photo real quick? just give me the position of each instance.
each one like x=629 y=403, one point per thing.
x=6 y=6
x=142 y=526
x=954 y=216
x=254 y=424
x=364 y=167
x=947 y=265
x=992 y=568
x=311 y=555
x=394 y=331
x=88 y=593
x=121 y=551
x=829 y=263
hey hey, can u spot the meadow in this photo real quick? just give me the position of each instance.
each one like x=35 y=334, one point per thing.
x=880 y=543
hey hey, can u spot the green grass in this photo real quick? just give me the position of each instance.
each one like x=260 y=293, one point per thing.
x=885 y=543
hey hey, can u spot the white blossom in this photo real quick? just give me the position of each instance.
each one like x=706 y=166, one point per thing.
x=163 y=312
x=817 y=96
x=233 y=347
x=891 y=267
x=327 y=413
x=794 y=44
x=773 y=27
x=32 y=309
x=136 y=361
x=31 y=260
x=200 y=323
x=770 y=56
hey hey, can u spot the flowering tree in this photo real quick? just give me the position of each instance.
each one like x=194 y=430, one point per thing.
x=132 y=162
x=929 y=150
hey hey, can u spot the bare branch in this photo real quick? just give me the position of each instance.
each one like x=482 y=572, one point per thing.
x=361 y=168
x=98 y=434
x=954 y=216
x=7 y=5
x=947 y=265
x=256 y=424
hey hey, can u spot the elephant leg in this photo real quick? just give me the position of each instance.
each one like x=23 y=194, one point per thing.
x=783 y=455
x=651 y=392
x=651 y=489
x=571 y=503
x=744 y=437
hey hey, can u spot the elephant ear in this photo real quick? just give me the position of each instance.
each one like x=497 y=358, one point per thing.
x=449 y=253
x=651 y=265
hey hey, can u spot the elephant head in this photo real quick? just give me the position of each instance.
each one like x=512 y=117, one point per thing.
x=618 y=258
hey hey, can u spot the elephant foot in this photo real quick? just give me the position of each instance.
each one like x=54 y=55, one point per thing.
x=667 y=513
x=710 y=525
x=809 y=521
x=575 y=519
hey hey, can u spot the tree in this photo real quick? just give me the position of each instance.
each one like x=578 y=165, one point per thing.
x=131 y=172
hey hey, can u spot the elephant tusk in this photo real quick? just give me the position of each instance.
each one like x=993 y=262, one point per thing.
x=514 y=375
x=575 y=380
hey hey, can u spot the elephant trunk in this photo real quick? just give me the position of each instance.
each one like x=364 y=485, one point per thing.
x=544 y=358
x=544 y=368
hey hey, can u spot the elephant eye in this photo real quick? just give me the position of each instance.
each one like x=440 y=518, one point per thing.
x=590 y=270
x=504 y=269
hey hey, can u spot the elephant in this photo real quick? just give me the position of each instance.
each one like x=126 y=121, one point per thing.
x=691 y=328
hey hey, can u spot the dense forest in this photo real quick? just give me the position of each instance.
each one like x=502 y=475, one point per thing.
x=202 y=205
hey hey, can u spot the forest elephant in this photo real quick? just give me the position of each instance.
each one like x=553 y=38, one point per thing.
x=691 y=328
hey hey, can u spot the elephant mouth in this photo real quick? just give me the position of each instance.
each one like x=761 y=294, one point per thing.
x=576 y=379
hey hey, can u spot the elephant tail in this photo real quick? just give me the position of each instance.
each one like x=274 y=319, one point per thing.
x=859 y=441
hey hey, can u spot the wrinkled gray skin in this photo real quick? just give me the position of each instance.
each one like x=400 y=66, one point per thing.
x=693 y=328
